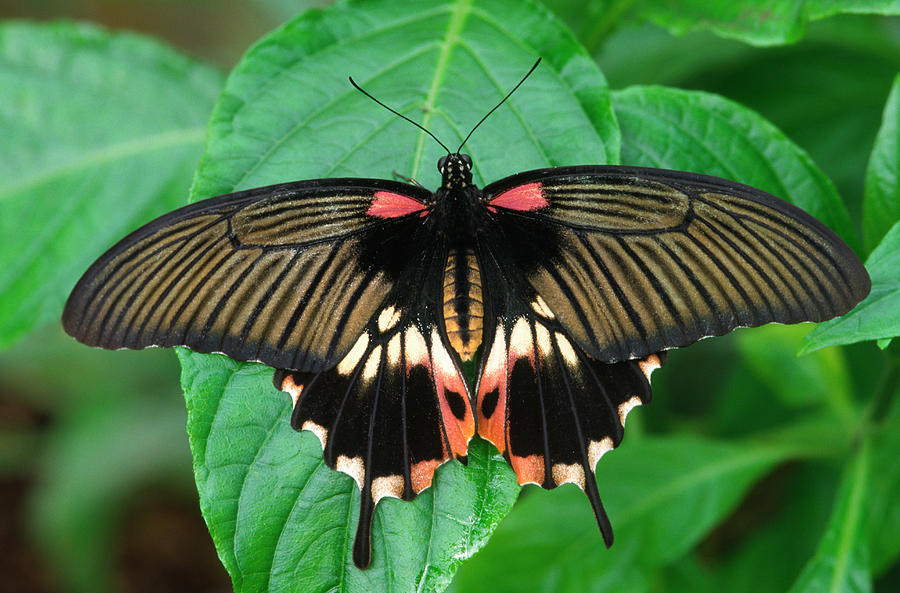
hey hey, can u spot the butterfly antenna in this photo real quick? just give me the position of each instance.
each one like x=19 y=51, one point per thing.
x=397 y=113
x=502 y=101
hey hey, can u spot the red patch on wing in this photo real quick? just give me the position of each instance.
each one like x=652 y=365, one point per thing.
x=529 y=470
x=390 y=205
x=491 y=401
x=459 y=422
x=524 y=198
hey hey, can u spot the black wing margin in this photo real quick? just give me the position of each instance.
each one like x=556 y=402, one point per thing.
x=633 y=261
x=287 y=275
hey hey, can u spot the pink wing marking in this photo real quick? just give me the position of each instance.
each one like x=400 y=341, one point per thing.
x=390 y=205
x=524 y=198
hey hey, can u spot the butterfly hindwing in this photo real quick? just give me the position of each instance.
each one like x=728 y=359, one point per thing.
x=550 y=408
x=287 y=275
x=634 y=261
x=392 y=410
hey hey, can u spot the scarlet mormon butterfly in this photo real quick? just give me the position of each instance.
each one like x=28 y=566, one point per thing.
x=566 y=285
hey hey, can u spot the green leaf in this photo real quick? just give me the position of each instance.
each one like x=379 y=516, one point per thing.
x=696 y=131
x=100 y=133
x=662 y=495
x=818 y=9
x=444 y=65
x=758 y=22
x=289 y=520
x=884 y=512
x=280 y=519
x=821 y=378
x=881 y=208
x=285 y=9
x=841 y=564
x=848 y=61
x=878 y=315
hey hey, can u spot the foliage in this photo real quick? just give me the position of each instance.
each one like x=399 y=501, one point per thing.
x=748 y=457
x=85 y=115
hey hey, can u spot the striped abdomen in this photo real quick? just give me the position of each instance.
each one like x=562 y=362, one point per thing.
x=463 y=307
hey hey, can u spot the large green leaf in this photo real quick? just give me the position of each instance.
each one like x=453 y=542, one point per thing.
x=705 y=133
x=280 y=519
x=758 y=22
x=289 y=113
x=847 y=63
x=662 y=495
x=818 y=9
x=288 y=519
x=765 y=22
x=841 y=564
x=100 y=133
x=878 y=315
x=881 y=208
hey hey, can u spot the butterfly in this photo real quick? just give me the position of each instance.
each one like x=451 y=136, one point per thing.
x=563 y=287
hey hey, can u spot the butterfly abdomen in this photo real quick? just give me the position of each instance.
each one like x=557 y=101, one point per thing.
x=463 y=305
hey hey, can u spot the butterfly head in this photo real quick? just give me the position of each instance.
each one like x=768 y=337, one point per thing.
x=456 y=170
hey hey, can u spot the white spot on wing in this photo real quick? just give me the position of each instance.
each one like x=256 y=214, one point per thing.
x=320 y=431
x=443 y=364
x=564 y=474
x=387 y=486
x=393 y=350
x=416 y=348
x=292 y=389
x=649 y=364
x=372 y=364
x=353 y=467
x=520 y=343
x=349 y=362
x=597 y=449
x=540 y=307
x=567 y=351
x=496 y=362
x=388 y=318
x=543 y=340
x=626 y=407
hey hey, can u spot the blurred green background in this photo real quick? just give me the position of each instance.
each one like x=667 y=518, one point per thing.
x=130 y=522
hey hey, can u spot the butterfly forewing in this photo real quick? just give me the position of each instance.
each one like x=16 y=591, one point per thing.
x=288 y=275
x=634 y=261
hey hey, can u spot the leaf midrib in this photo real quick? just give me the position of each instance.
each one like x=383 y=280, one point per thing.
x=107 y=154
